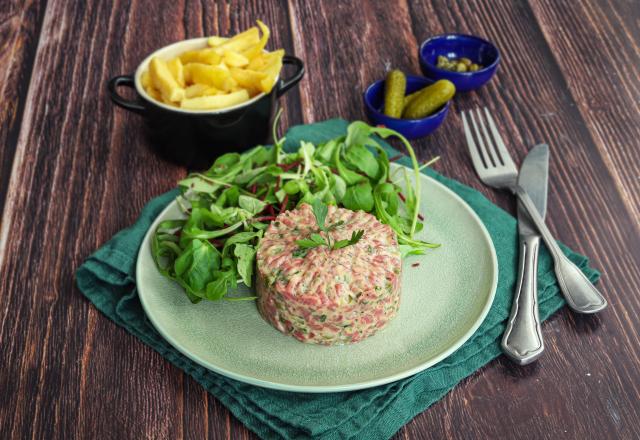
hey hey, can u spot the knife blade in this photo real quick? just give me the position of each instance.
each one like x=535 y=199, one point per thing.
x=533 y=178
x=522 y=340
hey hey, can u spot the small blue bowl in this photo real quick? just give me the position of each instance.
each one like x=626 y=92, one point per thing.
x=457 y=46
x=409 y=128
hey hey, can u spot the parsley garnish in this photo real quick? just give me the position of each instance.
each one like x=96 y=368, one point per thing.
x=320 y=211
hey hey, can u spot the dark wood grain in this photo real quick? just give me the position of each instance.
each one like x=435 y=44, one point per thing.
x=81 y=171
x=77 y=157
x=596 y=41
x=20 y=23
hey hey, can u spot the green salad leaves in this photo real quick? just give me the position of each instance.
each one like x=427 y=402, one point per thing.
x=227 y=208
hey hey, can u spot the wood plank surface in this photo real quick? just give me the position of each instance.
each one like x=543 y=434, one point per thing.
x=596 y=41
x=20 y=23
x=81 y=171
x=76 y=160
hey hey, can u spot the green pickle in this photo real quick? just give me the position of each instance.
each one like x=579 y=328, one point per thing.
x=430 y=99
x=394 y=88
x=409 y=98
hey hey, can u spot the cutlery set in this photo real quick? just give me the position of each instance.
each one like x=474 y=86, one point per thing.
x=522 y=341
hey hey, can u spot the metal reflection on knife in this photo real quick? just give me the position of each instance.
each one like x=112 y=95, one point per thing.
x=522 y=340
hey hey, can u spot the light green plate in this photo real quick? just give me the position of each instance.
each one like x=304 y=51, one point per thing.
x=444 y=300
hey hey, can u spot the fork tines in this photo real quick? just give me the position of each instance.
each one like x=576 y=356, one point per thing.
x=489 y=151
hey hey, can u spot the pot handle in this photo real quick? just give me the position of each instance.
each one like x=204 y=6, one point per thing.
x=127 y=81
x=295 y=79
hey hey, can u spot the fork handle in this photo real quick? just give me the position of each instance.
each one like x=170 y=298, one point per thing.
x=581 y=295
x=522 y=340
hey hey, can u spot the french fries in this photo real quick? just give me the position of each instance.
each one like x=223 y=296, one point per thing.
x=216 y=41
x=229 y=71
x=240 y=42
x=250 y=80
x=177 y=71
x=206 y=56
x=266 y=59
x=215 y=101
x=196 y=90
x=145 y=79
x=215 y=76
x=164 y=81
x=234 y=59
x=257 y=49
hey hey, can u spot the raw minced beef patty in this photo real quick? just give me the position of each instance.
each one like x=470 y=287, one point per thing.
x=328 y=296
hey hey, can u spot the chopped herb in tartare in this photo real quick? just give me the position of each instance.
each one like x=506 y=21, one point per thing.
x=329 y=296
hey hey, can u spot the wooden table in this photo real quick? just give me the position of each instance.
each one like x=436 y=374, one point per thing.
x=74 y=169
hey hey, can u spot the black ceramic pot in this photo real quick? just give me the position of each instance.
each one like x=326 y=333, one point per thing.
x=195 y=137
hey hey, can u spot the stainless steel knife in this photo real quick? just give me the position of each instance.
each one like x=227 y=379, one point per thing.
x=522 y=340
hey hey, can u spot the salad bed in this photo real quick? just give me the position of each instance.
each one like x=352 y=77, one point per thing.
x=228 y=207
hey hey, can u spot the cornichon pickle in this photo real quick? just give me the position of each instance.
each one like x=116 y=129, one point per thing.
x=430 y=99
x=394 y=88
x=409 y=97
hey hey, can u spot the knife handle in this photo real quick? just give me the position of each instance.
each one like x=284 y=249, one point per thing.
x=580 y=293
x=522 y=340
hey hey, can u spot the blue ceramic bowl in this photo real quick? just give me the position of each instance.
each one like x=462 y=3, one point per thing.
x=457 y=46
x=409 y=128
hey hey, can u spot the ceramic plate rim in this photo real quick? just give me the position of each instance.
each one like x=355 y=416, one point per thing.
x=344 y=387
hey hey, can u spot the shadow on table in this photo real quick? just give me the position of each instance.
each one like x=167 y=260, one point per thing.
x=564 y=324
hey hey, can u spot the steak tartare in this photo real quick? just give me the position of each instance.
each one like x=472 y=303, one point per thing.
x=328 y=296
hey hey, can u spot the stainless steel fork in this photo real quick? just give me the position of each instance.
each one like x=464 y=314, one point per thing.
x=580 y=293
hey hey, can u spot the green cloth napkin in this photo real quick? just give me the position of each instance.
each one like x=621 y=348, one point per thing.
x=107 y=278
